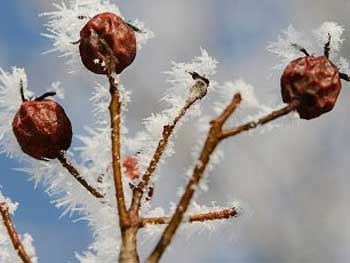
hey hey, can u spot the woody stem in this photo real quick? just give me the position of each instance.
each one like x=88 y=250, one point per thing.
x=74 y=172
x=215 y=136
x=16 y=242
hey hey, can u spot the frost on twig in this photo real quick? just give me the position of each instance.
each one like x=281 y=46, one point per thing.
x=94 y=154
x=215 y=135
x=13 y=247
x=190 y=84
x=73 y=171
x=202 y=217
x=65 y=191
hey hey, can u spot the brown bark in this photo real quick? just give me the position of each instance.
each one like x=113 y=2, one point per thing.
x=167 y=132
x=128 y=249
x=210 y=216
x=215 y=136
x=212 y=141
x=16 y=242
x=74 y=172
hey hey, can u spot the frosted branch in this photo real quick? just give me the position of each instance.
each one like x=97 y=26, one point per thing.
x=16 y=242
x=74 y=172
x=215 y=136
x=210 y=216
x=198 y=91
x=254 y=124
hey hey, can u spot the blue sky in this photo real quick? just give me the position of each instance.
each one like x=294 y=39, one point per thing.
x=56 y=239
x=288 y=177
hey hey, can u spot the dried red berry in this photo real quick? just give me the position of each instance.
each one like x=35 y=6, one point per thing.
x=105 y=38
x=42 y=129
x=131 y=169
x=314 y=82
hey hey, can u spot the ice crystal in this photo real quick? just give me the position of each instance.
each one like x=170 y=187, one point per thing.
x=57 y=87
x=313 y=42
x=10 y=101
x=192 y=230
x=7 y=252
x=334 y=30
x=177 y=96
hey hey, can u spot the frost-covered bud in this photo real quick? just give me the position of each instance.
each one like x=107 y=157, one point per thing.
x=314 y=82
x=200 y=87
x=106 y=40
x=42 y=129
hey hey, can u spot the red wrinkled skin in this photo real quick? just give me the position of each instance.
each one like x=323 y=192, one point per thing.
x=131 y=169
x=314 y=82
x=119 y=36
x=42 y=129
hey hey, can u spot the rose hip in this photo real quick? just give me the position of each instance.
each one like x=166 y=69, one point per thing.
x=314 y=82
x=42 y=129
x=107 y=41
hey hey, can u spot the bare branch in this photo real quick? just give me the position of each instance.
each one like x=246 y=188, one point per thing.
x=115 y=108
x=211 y=142
x=210 y=216
x=253 y=124
x=128 y=247
x=16 y=242
x=73 y=171
x=167 y=132
x=215 y=136
x=344 y=76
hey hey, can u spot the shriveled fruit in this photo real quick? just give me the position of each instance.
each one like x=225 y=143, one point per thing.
x=42 y=129
x=107 y=43
x=314 y=82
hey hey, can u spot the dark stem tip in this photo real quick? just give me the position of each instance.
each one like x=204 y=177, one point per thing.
x=21 y=89
x=45 y=95
x=196 y=76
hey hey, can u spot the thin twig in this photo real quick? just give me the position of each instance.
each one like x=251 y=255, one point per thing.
x=253 y=124
x=210 y=216
x=21 y=89
x=327 y=47
x=344 y=76
x=45 y=95
x=167 y=132
x=215 y=136
x=210 y=144
x=16 y=242
x=128 y=248
x=115 y=108
x=73 y=171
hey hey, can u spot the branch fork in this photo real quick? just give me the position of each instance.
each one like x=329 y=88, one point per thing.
x=215 y=135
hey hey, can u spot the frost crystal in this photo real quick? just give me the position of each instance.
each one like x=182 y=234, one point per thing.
x=283 y=46
x=193 y=229
x=336 y=32
x=7 y=252
x=175 y=99
x=64 y=25
x=56 y=87
x=313 y=42
x=10 y=101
